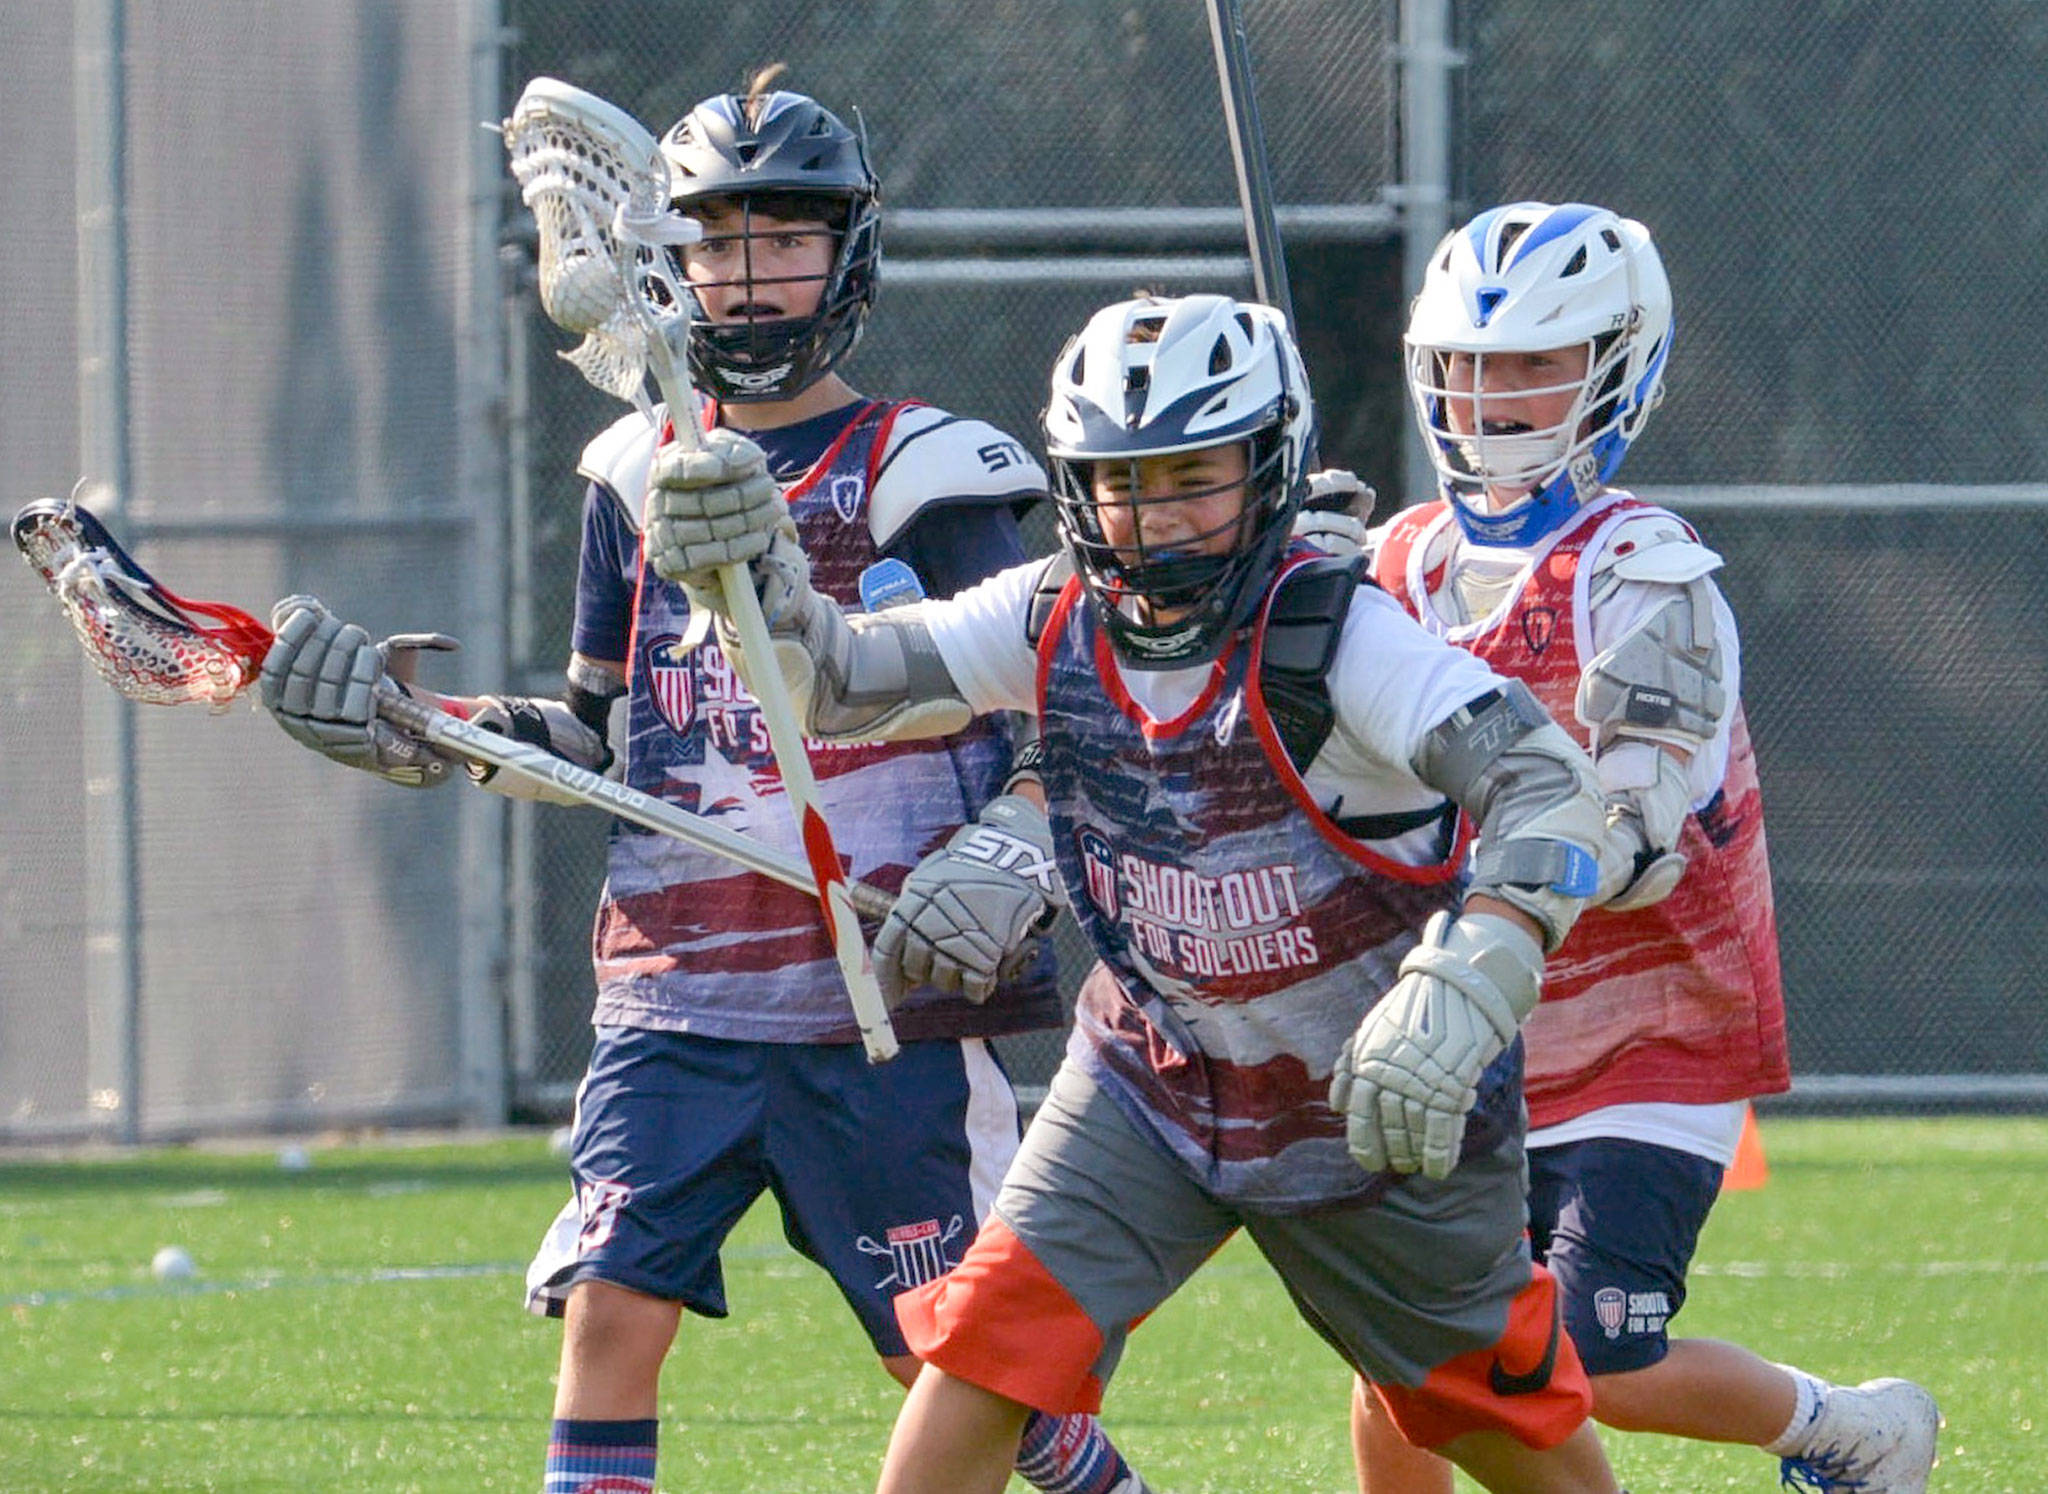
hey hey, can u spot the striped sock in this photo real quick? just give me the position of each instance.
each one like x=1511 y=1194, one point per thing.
x=614 y=1456
x=1070 y=1455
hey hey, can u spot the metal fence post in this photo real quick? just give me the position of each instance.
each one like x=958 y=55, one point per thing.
x=114 y=939
x=1425 y=61
x=480 y=379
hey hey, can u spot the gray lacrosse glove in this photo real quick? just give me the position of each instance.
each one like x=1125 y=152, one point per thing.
x=709 y=508
x=1405 y=1081
x=320 y=681
x=967 y=912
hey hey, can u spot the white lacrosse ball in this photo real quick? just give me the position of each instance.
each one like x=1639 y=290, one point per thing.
x=559 y=1141
x=582 y=292
x=293 y=1158
x=172 y=1263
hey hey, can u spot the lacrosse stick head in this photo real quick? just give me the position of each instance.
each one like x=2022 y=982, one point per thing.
x=148 y=643
x=596 y=183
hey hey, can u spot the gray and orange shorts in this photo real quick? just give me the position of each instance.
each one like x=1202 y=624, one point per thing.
x=1429 y=1291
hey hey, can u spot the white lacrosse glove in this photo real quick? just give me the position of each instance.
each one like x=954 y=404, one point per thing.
x=968 y=911
x=709 y=508
x=320 y=682
x=1333 y=516
x=1408 y=1077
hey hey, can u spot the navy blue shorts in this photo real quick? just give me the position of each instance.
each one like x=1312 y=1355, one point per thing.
x=1617 y=1223
x=882 y=1171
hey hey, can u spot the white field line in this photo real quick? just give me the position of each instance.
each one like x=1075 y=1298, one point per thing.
x=1844 y=1271
x=269 y=1281
x=262 y=1281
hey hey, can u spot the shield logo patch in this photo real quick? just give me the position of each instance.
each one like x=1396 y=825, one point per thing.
x=1098 y=863
x=846 y=495
x=1539 y=626
x=672 y=683
x=1610 y=1308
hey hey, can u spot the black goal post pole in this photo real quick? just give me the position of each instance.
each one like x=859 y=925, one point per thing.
x=1248 y=149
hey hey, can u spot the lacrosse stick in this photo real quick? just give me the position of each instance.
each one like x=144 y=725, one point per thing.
x=1248 y=151
x=599 y=190
x=158 y=648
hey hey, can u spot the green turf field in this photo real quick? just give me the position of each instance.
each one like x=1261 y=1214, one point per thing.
x=356 y=1326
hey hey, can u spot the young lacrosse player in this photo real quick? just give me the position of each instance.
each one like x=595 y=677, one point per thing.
x=1252 y=769
x=1536 y=351
x=725 y=1062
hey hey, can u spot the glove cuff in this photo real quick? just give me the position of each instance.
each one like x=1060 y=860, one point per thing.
x=1020 y=818
x=1493 y=959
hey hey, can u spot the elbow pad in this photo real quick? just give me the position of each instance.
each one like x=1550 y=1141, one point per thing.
x=1660 y=685
x=881 y=678
x=1648 y=800
x=1532 y=791
x=870 y=678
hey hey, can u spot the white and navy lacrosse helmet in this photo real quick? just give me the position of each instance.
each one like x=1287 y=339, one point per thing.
x=1154 y=377
x=1526 y=278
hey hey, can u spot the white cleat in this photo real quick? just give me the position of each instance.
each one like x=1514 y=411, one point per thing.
x=1873 y=1438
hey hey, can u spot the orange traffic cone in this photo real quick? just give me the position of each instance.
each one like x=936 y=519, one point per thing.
x=1749 y=1169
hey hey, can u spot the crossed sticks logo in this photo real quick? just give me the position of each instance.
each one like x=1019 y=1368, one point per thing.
x=917 y=1252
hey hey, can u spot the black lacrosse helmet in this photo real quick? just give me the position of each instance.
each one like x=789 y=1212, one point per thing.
x=788 y=146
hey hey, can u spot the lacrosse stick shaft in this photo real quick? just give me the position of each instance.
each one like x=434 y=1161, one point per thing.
x=785 y=736
x=1248 y=151
x=156 y=647
x=464 y=739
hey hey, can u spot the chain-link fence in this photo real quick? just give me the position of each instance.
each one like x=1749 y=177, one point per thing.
x=318 y=369
x=1894 y=665
x=1838 y=193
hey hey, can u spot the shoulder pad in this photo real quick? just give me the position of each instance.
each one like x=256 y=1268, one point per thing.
x=936 y=458
x=1303 y=625
x=1307 y=616
x=1053 y=577
x=1655 y=547
x=619 y=459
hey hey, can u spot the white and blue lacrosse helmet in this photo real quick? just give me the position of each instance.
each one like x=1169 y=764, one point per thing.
x=1155 y=377
x=1533 y=278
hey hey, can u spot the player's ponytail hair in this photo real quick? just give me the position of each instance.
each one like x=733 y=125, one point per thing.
x=759 y=86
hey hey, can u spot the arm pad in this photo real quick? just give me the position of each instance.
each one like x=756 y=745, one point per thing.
x=548 y=724
x=1648 y=799
x=1661 y=681
x=1656 y=688
x=1532 y=790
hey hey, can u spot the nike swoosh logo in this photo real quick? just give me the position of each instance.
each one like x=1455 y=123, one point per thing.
x=1504 y=1383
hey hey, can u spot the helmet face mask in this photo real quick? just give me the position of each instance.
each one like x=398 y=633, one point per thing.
x=756 y=166
x=1535 y=353
x=1177 y=436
